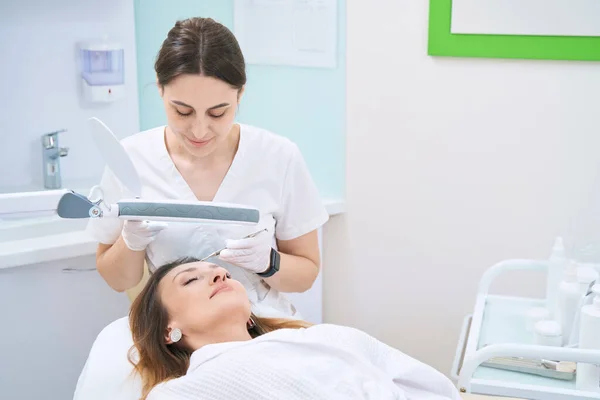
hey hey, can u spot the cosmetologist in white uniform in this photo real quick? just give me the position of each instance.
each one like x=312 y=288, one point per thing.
x=202 y=154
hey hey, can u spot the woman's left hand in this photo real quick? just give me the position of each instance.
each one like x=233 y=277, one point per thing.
x=253 y=253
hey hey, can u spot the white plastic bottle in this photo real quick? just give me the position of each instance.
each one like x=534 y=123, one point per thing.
x=556 y=266
x=586 y=277
x=567 y=300
x=534 y=315
x=588 y=375
x=548 y=333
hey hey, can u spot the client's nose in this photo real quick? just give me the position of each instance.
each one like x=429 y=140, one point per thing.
x=220 y=274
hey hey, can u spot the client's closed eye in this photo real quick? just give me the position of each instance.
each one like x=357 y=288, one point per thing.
x=190 y=280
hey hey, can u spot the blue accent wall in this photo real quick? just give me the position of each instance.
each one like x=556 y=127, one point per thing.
x=307 y=105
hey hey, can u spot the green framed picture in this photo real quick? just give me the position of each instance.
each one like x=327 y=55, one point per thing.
x=443 y=43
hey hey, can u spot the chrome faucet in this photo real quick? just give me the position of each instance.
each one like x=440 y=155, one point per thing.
x=51 y=154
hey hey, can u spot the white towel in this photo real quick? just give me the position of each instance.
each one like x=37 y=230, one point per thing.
x=321 y=362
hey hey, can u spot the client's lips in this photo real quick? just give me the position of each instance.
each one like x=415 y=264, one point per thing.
x=219 y=289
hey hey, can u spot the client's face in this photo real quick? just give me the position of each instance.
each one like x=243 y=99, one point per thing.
x=202 y=299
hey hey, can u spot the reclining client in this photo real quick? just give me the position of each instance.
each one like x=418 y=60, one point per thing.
x=195 y=338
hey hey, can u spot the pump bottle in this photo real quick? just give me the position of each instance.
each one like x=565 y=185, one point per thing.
x=567 y=300
x=588 y=375
x=556 y=266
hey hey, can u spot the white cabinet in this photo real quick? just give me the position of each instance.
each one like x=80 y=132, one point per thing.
x=50 y=314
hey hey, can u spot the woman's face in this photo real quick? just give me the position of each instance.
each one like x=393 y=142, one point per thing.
x=200 y=111
x=202 y=299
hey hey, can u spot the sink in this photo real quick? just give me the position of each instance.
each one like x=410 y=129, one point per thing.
x=31 y=214
x=30 y=228
x=32 y=233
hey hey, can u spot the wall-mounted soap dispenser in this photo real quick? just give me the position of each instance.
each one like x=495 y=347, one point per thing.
x=102 y=71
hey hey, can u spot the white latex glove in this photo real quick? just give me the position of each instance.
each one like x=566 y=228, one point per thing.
x=137 y=235
x=253 y=254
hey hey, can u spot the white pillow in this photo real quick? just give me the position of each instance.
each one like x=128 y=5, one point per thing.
x=107 y=373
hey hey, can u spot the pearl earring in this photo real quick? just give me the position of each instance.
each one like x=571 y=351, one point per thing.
x=175 y=335
x=251 y=324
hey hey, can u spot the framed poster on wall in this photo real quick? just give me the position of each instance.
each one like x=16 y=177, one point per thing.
x=527 y=29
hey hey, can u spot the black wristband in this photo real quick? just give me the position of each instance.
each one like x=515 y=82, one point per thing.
x=273 y=265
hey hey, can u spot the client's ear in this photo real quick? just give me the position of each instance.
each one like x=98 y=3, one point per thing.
x=172 y=335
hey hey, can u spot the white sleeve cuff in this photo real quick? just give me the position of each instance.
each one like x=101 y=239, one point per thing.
x=294 y=232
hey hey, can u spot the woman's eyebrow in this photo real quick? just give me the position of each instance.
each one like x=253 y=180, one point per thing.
x=181 y=103
x=183 y=271
x=218 y=106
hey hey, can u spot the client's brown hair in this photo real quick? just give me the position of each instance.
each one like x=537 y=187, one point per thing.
x=157 y=362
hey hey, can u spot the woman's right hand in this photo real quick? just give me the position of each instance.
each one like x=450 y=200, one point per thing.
x=137 y=235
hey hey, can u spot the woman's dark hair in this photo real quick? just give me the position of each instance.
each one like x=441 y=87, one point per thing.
x=201 y=46
x=152 y=357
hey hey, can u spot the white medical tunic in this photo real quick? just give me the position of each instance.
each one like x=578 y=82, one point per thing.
x=323 y=362
x=267 y=172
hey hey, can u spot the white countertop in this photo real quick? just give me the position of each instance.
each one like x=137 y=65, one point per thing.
x=74 y=243
x=335 y=207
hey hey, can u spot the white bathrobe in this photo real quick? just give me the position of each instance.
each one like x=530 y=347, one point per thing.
x=323 y=362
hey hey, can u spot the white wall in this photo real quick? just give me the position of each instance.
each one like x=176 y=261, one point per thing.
x=452 y=165
x=40 y=84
